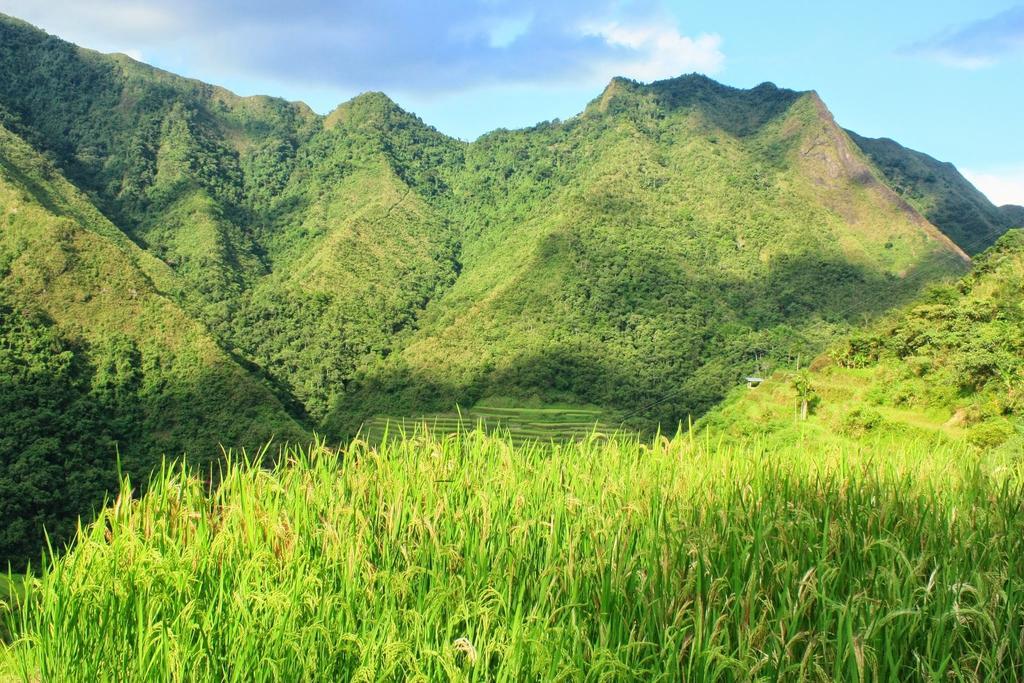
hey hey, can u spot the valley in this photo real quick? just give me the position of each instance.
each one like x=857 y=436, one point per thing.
x=298 y=396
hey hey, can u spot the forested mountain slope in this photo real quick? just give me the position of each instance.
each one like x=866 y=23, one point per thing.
x=358 y=245
x=97 y=360
x=941 y=194
x=951 y=366
x=304 y=242
x=1014 y=215
x=180 y=166
x=662 y=241
x=670 y=236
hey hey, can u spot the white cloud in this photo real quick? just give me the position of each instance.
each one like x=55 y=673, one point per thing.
x=658 y=51
x=445 y=46
x=1002 y=186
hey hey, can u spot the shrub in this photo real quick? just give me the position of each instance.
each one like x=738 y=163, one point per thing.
x=990 y=434
x=861 y=421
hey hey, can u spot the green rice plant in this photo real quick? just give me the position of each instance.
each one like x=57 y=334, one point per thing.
x=464 y=557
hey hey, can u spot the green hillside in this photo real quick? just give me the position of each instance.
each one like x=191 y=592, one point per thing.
x=677 y=234
x=1014 y=215
x=178 y=165
x=97 y=359
x=184 y=267
x=667 y=240
x=940 y=193
x=358 y=246
x=304 y=243
x=948 y=368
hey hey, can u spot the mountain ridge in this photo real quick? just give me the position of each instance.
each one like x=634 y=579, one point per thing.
x=939 y=192
x=673 y=92
x=803 y=136
x=228 y=191
x=103 y=371
x=640 y=257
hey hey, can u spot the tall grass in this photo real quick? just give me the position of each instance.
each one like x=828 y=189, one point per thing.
x=464 y=558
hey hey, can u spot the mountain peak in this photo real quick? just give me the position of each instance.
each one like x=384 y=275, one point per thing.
x=737 y=111
x=372 y=107
x=691 y=82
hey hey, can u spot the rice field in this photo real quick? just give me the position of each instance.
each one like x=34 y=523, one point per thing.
x=521 y=425
x=467 y=558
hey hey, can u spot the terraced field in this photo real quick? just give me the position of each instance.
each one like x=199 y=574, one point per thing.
x=559 y=424
x=849 y=406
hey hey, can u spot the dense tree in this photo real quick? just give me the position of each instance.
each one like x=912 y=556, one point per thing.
x=941 y=194
x=57 y=449
x=222 y=269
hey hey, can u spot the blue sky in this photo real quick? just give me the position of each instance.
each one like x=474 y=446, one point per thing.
x=943 y=76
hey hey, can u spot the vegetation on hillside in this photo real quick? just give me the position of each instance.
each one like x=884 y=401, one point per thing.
x=674 y=233
x=465 y=558
x=1014 y=215
x=358 y=247
x=941 y=194
x=668 y=241
x=96 y=360
x=948 y=368
x=178 y=165
x=221 y=269
x=58 y=434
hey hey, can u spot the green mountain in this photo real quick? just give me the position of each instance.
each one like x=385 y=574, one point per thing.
x=304 y=243
x=666 y=241
x=358 y=244
x=941 y=194
x=949 y=367
x=184 y=267
x=672 y=234
x=180 y=166
x=98 y=359
x=1014 y=215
